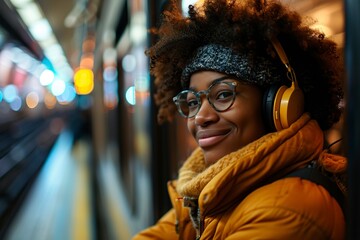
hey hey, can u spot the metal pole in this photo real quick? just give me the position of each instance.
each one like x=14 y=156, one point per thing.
x=352 y=62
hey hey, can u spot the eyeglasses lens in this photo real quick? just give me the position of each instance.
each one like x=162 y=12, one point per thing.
x=220 y=95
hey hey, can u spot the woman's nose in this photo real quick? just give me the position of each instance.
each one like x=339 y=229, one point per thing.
x=206 y=114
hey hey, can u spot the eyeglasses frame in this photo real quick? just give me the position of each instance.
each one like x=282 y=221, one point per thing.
x=206 y=92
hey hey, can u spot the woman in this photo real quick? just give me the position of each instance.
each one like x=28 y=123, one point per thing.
x=258 y=88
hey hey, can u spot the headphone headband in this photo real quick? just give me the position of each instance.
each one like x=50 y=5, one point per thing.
x=280 y=51
x=282 y=55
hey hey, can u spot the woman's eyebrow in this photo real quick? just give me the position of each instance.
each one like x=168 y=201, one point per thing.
x=220 y=79
x=214 y=81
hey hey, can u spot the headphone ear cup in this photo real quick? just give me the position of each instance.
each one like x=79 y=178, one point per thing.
x=276 y=113
x=282 y=106
x=291 y=106
x=268 y=105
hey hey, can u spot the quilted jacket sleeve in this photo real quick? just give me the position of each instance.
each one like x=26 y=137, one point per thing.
x=279 y=223
x=164 y=229
x=293 y=209
x=175 y=224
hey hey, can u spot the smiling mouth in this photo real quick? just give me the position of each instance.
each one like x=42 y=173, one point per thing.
x=207 y=139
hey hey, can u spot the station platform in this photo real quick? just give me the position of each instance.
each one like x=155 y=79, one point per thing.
x=59 y=204
x=63 y=202
x=68 y=188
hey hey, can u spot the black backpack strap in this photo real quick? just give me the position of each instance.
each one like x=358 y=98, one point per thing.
x=314 y=175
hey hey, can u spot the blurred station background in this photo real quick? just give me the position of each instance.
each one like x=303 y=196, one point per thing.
x=81 y=153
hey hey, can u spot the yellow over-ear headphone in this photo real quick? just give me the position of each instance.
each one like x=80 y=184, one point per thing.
x=283 y=105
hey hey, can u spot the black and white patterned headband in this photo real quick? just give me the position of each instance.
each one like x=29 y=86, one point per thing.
x=214 y=57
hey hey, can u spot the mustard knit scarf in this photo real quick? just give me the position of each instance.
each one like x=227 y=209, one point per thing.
x=283 y=151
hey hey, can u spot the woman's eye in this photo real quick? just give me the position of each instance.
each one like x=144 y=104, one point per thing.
x=224 y=95
x=192 y=102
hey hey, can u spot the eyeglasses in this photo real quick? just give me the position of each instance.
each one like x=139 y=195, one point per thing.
x=220 y=94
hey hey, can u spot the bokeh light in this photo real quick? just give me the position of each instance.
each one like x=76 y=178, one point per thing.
x=129 y=63
x=10 y=93
x=130 y=95
x=46 y=77
x=84 y=81
x=16 y=104
x=58 y=87
x=32 y=100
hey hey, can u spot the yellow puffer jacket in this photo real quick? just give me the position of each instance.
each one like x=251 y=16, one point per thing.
x=239 y=197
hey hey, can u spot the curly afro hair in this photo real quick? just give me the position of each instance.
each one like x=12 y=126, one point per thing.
x=246 y=27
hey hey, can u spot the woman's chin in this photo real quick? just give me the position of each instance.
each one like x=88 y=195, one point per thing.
x=212 y=157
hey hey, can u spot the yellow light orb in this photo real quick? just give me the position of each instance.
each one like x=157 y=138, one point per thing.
x=84 y=81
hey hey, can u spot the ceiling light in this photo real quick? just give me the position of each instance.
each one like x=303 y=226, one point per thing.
x=30 y=13
x=40 y=30
x=19 y=3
